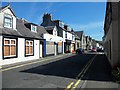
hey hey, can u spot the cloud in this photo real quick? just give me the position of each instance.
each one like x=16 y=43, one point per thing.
x=93 y=29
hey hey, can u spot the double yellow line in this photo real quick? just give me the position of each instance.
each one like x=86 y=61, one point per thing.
x=73 y=85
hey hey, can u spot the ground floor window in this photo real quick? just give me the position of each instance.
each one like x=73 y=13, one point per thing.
x=9 y=47
x=29 y=48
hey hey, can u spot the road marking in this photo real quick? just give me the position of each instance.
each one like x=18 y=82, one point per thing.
x=85 y=68
x=69 y=86
x=84 y=84
x=76 y=84
x=81 y=74
x=2 y=70
x=89 y=65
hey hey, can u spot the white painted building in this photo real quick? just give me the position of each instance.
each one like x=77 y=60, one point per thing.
x=17 y=43
x=69 y=39
x=54 y=43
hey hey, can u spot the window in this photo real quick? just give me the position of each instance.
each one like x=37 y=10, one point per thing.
x=68 y=28
x=9 y=47
x=65 y=34
x=55 y=32
x=29 y=48
x=61 y=24
x=33 y=28
x=8 y=21
x=73 y=37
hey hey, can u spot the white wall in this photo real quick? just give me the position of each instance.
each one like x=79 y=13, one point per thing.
x=55 y=31
x=1 y=19
x=73 y=38
x=56 y=39
x=0 y=50
x=52 y=38
x=21 y=53
x=69 y=36
x=64 y=36
x=41 y=50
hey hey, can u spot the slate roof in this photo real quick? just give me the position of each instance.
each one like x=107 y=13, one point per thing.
x=26 y=32
x=41 y=30
x=79 y=34
x=7 y=31
x=23 y=31
x=49 y=27
x=76 y=36
x=3 y=7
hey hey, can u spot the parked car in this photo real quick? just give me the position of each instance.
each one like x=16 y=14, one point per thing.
x=94 y=50
x=79 y=51
x=100 y=50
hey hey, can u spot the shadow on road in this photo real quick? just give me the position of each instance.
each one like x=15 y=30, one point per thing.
x=100 y=69
x=69 y=67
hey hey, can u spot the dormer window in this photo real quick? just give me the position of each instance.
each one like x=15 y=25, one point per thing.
x=33 y=28
x=8 y=22
x=61 y=24
x=68 y=28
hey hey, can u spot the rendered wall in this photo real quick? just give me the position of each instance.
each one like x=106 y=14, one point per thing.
x=21 y=53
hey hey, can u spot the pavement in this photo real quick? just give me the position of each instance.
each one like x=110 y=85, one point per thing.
x=37 y=60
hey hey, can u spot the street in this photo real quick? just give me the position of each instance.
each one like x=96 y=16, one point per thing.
x=60 y=73
x=60 y=45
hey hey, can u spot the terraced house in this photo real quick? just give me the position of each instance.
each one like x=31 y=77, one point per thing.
x=82 y=38
x=112 y=33
x=19 y=39
x=64 y=31
x=53 y=41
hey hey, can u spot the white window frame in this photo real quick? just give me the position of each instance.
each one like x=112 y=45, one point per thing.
x=29 y=47
x=55 y=32
x=61 y=24
x=10 y=46
x=68 y=28
x=7 y=16
x=35 y=28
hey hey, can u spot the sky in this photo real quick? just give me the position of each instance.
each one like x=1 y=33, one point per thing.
x=86 y=16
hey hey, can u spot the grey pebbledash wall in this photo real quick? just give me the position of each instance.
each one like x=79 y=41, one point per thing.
x=50 y=48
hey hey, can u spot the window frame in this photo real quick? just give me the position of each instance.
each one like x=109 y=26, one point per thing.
x=66 y=35
x=16 y=44
x=26 y=55
x=73 y=38
x=8 y=16
x=35 y=28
